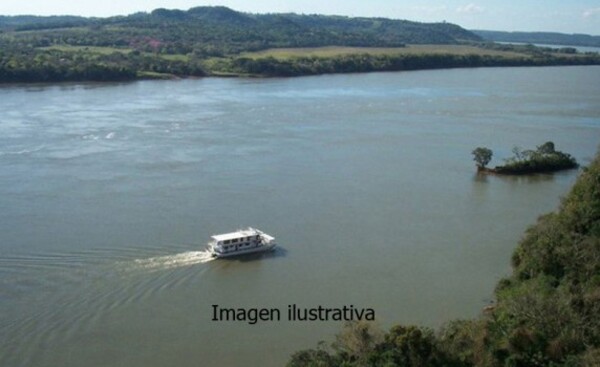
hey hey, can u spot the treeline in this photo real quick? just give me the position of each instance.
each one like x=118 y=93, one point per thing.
x=547 y=313
x=54 y=65
x=29 y=22
x=537 y=51
x=294 y=66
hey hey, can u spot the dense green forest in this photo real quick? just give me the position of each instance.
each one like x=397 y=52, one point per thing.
x=547 y=38
x=214 y=40
x=367 y=62
x=547 y=313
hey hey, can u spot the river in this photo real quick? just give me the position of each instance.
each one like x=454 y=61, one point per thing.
x=110 y=192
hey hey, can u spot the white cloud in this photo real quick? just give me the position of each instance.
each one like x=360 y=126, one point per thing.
x=591 y=13
x=470 y=9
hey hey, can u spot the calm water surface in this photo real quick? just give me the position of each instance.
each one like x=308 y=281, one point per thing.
x=108 y=194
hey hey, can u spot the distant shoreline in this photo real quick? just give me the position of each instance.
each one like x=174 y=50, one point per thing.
x=546 y=38
x=295 y=62
x=219 y=41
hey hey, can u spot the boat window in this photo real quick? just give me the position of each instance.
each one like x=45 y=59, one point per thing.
x=227 y=241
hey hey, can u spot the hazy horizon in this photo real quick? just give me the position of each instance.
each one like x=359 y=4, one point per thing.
x=581 y=16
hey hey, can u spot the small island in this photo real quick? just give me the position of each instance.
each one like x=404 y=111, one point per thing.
x=545 y=158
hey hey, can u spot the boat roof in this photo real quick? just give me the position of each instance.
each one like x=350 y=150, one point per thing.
x=238 y=234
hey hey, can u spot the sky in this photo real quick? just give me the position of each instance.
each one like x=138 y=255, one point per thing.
x=566 y=16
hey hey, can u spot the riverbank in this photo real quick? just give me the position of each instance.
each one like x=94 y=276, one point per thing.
x=218 y=41
x=335 y=60
x=104 y=64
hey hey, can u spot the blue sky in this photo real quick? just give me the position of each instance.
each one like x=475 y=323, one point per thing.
x=568 y=16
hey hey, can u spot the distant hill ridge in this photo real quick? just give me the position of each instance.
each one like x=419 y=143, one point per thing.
x=274 y=30
x=548 y=38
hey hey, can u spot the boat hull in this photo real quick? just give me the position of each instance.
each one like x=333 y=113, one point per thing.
x=263 y=248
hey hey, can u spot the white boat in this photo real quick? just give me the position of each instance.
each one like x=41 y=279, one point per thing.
x=241 y=242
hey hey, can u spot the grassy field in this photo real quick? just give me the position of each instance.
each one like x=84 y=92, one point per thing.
x=91 y=49
x=286 y=53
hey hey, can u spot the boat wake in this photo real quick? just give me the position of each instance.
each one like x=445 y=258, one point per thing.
x=175 y=261
x=23 y=151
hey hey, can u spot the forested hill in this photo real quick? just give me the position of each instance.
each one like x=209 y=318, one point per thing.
x=25 y=22
x=547 y=38
x=215 y=31
x=220 y=41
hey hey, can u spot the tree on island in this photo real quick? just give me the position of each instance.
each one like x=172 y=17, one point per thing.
x=546 y=148
x=482 y=156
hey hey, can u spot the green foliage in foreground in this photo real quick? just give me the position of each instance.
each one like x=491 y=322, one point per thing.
x=362 y=344
x=547 y=313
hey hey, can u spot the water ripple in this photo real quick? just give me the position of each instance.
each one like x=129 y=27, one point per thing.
x=59 y=295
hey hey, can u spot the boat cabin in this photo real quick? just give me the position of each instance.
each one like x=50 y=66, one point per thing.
x=236 y=241
x=241 y=242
